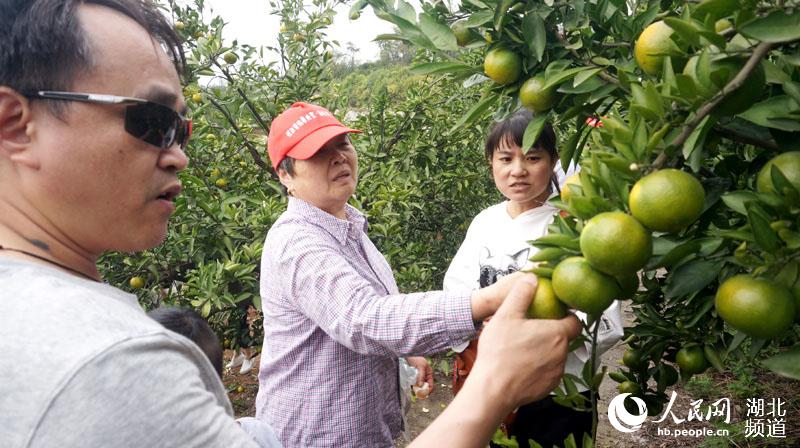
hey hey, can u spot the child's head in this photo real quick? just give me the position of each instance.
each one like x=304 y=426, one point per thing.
x=520 y=177
x=187 y=323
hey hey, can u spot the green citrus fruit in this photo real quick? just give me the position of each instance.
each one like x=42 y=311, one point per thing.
x=535 y=97
x=221 y=182
x=502 y=66
x=580 y=286
x=464 y=34
x=629 y=387
x=755 y=306
x=615 y=243
x=712 y=78
x=566 y=193
x=136 y=282
x=652 y=46
x=633 y=359
x=789 y=165
x=179 y=25
x=545 y=304
x=240 y=389
x=667 y=200
x=197 y=98
x=629 y=284
x=691 y=360
x=230 y=57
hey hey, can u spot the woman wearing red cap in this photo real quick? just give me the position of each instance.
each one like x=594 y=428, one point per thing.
x=335 y=322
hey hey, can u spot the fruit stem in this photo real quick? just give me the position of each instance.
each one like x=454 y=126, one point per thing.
x=759 y=53
x=253 y=151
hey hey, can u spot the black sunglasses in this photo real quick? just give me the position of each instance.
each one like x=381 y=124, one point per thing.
x=150 y=122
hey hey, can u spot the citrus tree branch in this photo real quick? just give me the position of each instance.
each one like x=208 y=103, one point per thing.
x=253 y=151
x=759 y=53
x=244 y=97
x=583 y=60
x=744 y=138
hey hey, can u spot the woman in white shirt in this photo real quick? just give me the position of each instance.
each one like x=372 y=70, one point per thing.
x=496 y=244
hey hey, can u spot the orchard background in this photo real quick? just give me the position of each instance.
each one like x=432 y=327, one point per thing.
x=710 y=89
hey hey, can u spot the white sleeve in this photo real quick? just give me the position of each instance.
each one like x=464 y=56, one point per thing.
x=463 y=273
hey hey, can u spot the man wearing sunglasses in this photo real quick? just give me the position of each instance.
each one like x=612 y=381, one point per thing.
x=92 y=132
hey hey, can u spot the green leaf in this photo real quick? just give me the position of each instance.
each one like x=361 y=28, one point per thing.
x=792 y=89
x=581 y=77
x=558 y=239
x=406 y=11
x=704 y=309
x=476 y=111
x=717 y=8
x=713 y=357
x=685 y=29
x=441 y=35
x=534 y=32
x=554 y=76
x=692 y=277
x=357 y=6
x=675 y=255
x=737 y=200
x=785 y=364
x=693 y=147
x=777 y=27
x=759 y=222
x=533 y=130
x=479 y=18
x=500 y=13
x=766 y=112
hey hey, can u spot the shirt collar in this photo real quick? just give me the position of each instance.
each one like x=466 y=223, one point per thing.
x=338 y=228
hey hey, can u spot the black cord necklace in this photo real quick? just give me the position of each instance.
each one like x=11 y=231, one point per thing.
x=49 y=261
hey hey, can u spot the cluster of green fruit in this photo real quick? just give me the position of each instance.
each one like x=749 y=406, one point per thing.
x=615 y=245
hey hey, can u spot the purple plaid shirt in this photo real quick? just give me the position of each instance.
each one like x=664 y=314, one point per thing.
x=334 y=326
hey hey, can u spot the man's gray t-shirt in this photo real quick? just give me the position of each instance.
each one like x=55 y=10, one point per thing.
x=82 y=365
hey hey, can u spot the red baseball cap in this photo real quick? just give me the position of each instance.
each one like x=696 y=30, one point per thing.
x=302 y=130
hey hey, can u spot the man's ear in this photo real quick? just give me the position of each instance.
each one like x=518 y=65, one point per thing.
x=15 y=126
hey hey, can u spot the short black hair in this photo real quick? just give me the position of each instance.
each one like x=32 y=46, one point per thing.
x=44 y=45
x=287 y=164
x=513 y=128
x=188 y=323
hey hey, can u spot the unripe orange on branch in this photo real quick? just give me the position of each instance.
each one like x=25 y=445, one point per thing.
x=582 y=287
x=503 y=66
x=615 y=243
x=545 y=304
x=535 y=97
x=756 y=306
x=667 y=200
x=653 y=45
x=789 y=165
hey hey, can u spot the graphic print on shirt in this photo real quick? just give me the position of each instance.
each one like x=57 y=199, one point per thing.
x=494 y=266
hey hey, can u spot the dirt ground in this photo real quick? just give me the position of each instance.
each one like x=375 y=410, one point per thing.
x=423 y=412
